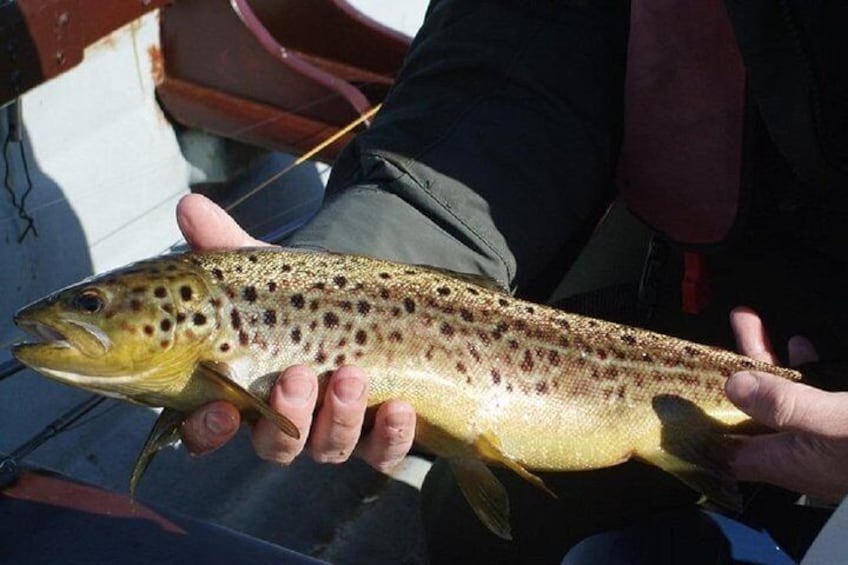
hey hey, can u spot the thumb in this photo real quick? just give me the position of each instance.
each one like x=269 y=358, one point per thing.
x=205 y=225
x=786 y=405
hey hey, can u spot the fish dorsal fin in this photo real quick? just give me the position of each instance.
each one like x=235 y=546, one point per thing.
x=488 y=446
x=471 y=278
x=164 y=433
x=222 y=375
x=484 y=493
x=694 y=448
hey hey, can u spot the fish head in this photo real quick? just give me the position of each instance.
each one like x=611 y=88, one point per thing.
x=129 y=333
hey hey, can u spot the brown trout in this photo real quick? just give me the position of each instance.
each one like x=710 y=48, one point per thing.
x=493 y=379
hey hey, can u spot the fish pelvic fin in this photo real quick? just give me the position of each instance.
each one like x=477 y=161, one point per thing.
x=221 y=375
x=485 y=494
x=696 y=449
x=488 y=446
x=165 y=432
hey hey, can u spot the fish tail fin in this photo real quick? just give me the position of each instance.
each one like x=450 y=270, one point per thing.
x=164 y=433
x=696 y=449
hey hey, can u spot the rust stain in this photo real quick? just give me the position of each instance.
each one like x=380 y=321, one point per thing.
x=157 y=64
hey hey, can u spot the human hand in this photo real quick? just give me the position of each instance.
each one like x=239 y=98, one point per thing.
x=331 y=434
x=809 y=451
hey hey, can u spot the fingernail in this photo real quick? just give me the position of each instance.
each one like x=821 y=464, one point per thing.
x=741 y=387
x=297 y=388
x=219 y=423
x=349 y=390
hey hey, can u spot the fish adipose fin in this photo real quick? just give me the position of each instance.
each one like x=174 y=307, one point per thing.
x=695 y=449
x=489 y=447
x=164 y=433
x=484 y=493
x=221 y=375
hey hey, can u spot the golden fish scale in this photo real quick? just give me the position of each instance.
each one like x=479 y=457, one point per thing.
x=559 y=391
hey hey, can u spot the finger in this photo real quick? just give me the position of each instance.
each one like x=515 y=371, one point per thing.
x=391 y=438
x=206 y=226
x=801 y=351
x=788 y=405
x=795 y=461
x=210 y=427
x=339 y=421
x=294 y=394
x=751 y=337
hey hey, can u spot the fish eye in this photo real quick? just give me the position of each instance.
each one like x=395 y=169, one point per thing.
x=89 y=300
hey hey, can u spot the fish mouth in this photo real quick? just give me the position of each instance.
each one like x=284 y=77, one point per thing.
x=66 y=335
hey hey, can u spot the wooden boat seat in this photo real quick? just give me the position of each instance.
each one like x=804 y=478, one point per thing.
x=283 y=74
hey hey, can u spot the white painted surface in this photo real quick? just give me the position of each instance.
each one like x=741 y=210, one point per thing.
x=405 y=16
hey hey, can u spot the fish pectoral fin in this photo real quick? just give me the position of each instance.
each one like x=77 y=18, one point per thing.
x=484 y=493
x=488 y=446
x=221 y=374
x=696 y=449
x=164 y=433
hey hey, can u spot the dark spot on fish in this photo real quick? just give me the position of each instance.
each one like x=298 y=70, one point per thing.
x=186 y=293
x=313 y=325
x=340 y=360
x=473 y=351
x=331 y=320
x=409 y=272
x=243 y=338
x=563 y=323
x=320 y=357
x=148 y=329
x=593 y=324
x=348 y=326
x=602 y=354
x=384 y=293
x=286 y=268
x=385 y=276
x=503 y=302
x=135 y=305
x=346 y=305
x=249 y=293
x=496 y=377
x=230 y=292
x=564 y=341
x=409 y=305
x=343 y=342
x=363 y=307
x=160 y=292
x=296 y=335
x=169 y=308
x=272 y=286
x=647 y=358
x=165 y=325
x=297 y=301
x=235 y=319
x=139 y=289
x=530 y=310
x=509 y=387
x=181 y=318
x=553 y=358
x=360 y=337
x=443 y=291
x=466 y=315
x=746 y=364
x=513 y=344
x=239 y=269
x=527 y=363
x=395 y=336
x=471 y=290
x=253 y=258
x=224 y=347
x=461 y=368
x=340 y=281
x=164 y=344
x=542 y=387
x=446 y=329
x=313 y=306
x=629 y=339
x=218 y=273
x=484 y=338
x=270 y=317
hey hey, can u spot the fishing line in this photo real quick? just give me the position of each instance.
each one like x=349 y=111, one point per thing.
x=15 y=134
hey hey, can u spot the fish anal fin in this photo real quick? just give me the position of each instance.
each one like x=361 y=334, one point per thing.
x=694 y=448
x=221 y=374
x=484 y=493
x=489 y=448
x=165 y=432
